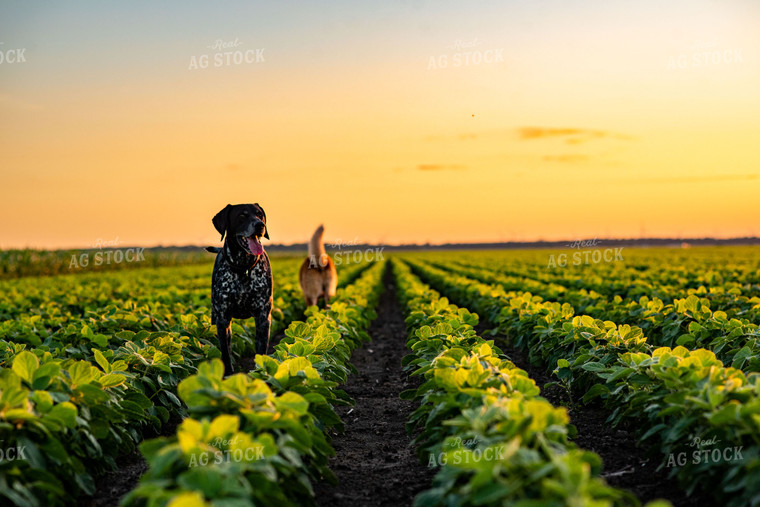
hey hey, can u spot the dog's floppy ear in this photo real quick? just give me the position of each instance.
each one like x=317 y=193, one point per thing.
x=266 y=228
x=222 y=220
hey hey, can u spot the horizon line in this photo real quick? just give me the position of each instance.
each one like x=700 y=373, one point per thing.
x=338 y=246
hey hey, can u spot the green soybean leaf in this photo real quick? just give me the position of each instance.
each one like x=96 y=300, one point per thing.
x=25 y=364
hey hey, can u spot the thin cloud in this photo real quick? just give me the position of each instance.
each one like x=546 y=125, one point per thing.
x=440 y=167
x=542 y=132
x=570 y=135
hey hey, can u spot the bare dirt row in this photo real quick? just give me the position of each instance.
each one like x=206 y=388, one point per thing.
x=374 y=462
x=626 y=465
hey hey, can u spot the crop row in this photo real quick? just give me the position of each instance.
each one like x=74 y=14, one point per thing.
x=732 y=334
x=481 y=419
x=84 y=381
x=671 y=396
x=631 y=272
x=102 y=257
x=261 y=438
x=733 y=298
x=38 y=311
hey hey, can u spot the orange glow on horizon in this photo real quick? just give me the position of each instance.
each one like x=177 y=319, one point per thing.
x=582 y=131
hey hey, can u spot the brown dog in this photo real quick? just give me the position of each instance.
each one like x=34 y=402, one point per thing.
x=318 y=276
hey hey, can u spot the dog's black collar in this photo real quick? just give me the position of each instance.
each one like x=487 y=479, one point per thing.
x=238 y=268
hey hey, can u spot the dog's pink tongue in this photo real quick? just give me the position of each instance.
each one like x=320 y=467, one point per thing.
x=255 y=245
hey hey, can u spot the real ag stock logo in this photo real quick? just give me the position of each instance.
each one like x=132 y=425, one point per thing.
x=12 y=453
x=352 y=254
x=466 y=55
x=705 y=54
x=217 y=456
x=704 y=452
x=456 y=451
x=11 y=55
x=585 y=257
x=226 y=55
x=108 y=256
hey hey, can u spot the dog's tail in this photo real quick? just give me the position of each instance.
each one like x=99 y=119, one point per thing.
x=317 y=253
x=213 y=249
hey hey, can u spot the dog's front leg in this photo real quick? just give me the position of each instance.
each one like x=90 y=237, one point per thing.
x=263 y=320
x=223 y=333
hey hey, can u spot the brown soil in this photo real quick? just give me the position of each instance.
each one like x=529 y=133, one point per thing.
x=375 y=463
x=626 y=466
x=374 y=460
x=111 y=487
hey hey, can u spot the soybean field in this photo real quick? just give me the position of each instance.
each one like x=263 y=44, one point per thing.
x=453 y=378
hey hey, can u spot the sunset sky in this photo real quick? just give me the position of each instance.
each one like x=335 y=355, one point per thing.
x=578 y=120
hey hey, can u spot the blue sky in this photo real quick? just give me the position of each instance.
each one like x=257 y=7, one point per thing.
x=106 y=113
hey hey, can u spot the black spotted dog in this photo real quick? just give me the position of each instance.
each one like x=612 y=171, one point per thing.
x=241 y=283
